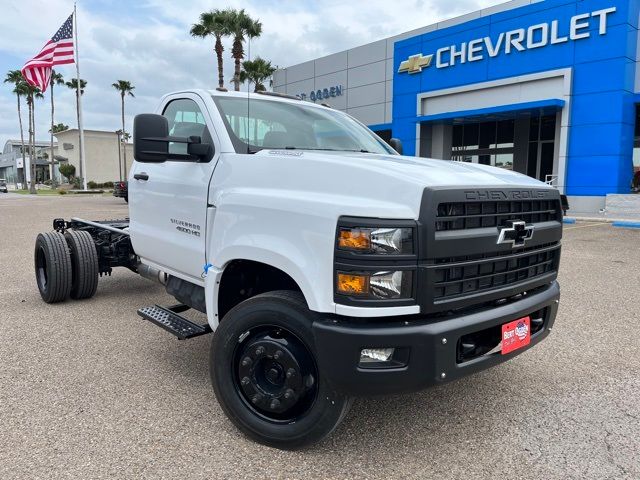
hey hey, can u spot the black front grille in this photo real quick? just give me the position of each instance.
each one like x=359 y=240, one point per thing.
x=464 y=278
x=468 y=215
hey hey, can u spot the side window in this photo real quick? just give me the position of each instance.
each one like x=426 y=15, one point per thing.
x=257 y=131
x=185 y=120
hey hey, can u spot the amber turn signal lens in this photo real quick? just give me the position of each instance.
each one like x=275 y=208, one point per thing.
x=353 y=284
x=354 y=239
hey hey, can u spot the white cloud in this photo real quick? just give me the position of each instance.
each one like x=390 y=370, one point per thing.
x=148 y=44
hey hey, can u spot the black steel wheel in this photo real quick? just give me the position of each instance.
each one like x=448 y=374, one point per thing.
x=84 y=263
x=265 y=376
x=275 y=374
x=53 y=267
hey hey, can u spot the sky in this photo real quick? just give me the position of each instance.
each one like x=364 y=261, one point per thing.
x=147 y=42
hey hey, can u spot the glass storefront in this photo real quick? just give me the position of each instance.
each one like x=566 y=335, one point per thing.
x=526 y=145
x=635 y=184
x=488 y=143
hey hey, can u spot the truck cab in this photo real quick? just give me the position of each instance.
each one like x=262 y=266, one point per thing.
x=327 y=264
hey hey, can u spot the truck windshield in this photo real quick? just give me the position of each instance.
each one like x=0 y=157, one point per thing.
x=278 y=125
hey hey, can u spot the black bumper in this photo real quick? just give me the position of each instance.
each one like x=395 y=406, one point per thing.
x=431 y=360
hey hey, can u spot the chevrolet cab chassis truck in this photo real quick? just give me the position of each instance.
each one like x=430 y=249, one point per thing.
x=328 y=265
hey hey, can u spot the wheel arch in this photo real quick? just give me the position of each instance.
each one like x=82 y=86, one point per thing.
x=244 y=277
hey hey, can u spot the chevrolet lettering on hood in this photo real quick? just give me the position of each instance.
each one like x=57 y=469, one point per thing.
x=505 y=194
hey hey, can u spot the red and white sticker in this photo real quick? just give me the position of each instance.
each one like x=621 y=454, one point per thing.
x=516 y=334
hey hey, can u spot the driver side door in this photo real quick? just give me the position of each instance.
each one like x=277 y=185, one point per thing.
x=168 y=200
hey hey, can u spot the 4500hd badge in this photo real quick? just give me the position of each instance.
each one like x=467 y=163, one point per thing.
x=186 y=227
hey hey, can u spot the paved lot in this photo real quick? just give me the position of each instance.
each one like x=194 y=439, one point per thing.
x=89 y=390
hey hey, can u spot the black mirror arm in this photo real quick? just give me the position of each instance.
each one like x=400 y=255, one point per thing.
x=187 y=140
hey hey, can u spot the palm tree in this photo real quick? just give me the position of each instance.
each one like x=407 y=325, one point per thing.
x=15 y=77
x=257 y=72
x=32 y=94
x=73 y=85
x=216 y=23
x=242 y=27
x=56 y=79
x=125 y=88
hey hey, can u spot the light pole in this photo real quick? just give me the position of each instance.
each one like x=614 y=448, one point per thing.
x=118 y=133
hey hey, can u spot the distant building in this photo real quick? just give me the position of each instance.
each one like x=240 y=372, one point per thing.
x=101 y=154
x=11 y=161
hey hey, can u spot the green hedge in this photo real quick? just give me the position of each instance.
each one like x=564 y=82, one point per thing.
x=94 y=185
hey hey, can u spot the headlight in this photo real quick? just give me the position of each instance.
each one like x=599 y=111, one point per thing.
x=386 y=285
x=386 y=241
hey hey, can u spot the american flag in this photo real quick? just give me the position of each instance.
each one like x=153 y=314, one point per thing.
x=57 y=51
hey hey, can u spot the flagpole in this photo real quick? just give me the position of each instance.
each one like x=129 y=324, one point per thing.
x=83 y=166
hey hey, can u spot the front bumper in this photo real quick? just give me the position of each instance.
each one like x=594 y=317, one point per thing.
x=431 y=360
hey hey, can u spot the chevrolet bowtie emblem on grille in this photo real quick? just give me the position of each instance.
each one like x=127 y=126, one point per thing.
x=515 y=232
x=415 y=63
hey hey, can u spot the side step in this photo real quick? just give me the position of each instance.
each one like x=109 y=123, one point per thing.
x=169 y=319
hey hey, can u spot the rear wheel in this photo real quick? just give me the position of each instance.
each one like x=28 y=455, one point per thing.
x=265 y=376
x=53 y=267
x=84 y=262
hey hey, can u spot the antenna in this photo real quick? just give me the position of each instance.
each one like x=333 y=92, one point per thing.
x=248 y=96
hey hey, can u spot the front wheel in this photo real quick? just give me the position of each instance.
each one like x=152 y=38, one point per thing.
x=265 y=375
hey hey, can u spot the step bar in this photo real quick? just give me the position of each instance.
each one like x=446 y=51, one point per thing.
x=169 y=319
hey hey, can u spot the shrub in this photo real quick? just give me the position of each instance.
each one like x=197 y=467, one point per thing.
x=76 y=182
x=92 y=185
x=67 y=170
x=62 y=192
x=107 y=185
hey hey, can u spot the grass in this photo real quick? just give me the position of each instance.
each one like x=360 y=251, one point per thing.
x=39 y=192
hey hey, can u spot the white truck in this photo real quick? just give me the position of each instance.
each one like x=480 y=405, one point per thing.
x=328 y=265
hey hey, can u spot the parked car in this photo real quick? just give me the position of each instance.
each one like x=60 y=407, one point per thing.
x=3 y=186
x=121 y=189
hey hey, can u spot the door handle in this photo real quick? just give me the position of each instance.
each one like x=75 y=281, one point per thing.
x=141 y=176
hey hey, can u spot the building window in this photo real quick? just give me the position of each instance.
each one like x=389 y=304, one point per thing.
x=542 y=134
x=635 y=184
x=488 y=143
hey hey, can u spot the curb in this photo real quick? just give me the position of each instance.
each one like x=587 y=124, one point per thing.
x=625 y=224
x=572 y=220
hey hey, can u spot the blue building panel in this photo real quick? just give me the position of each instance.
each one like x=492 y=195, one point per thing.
x=597 y=43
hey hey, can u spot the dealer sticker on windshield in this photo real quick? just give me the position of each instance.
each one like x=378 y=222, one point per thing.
x=516 y=334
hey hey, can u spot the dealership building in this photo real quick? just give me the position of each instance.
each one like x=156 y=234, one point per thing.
x=546 y=88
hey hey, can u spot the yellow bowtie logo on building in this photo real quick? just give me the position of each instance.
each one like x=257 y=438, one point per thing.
x=415 y=63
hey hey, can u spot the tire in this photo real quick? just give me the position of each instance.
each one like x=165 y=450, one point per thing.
x=53 y=267
x=308 y=408
x=84 y=263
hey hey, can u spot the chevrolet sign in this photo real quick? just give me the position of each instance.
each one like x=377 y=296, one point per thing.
x=518 y=40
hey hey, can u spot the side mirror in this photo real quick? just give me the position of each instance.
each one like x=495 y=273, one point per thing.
x=148 y=129
x=151 y=142
x=203 y=151
x=396 y=144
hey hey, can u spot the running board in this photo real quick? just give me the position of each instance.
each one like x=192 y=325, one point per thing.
x=169 y=319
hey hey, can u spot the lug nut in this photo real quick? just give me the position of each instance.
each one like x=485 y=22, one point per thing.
x=246 y=361
x=245 y=381
x=291 y=373
x=257 y=398
x=277 y=355
x=259 y=351
x=289 y=394
x=275 y=403
x=309 y=381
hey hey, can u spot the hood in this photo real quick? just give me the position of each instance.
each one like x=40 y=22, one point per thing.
x=358 y=184
x=427 y=172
